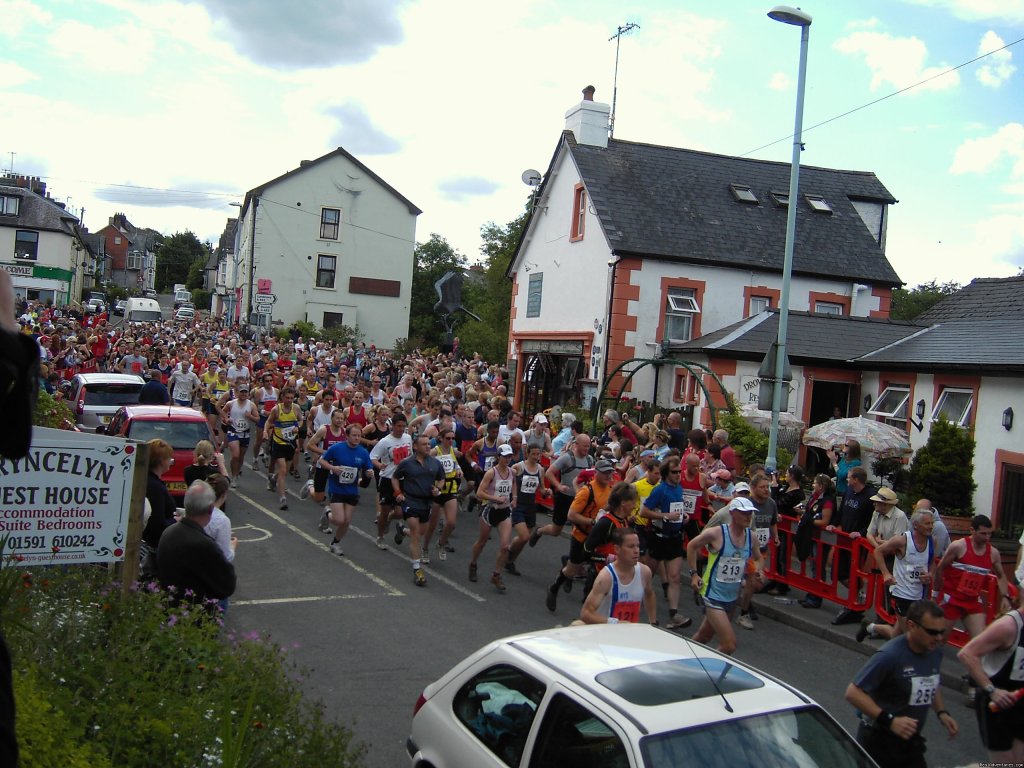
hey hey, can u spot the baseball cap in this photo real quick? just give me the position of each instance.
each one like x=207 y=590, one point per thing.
x=742 y=488
x=743 y=505
x=541 y=418
x=647 y=452
x=603 y=465
x=505 y=450
x=243 y=387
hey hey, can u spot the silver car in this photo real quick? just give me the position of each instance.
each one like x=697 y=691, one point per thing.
x=619 y=696
x=96 y=397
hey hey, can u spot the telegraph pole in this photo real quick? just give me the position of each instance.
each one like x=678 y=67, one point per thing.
x=621 y=30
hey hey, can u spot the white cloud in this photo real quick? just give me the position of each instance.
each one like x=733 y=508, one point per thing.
x=12 y=75
x=1011 y=11
x=895 y=61
x=122 y=48
x=871 y=23
x=979 y=155
x=17 y=15
x=996 y=68
x=779 y=81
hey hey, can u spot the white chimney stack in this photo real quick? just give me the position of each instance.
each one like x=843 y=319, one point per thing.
x=589 y=120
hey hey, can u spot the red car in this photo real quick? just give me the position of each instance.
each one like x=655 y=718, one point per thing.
x=182 y=427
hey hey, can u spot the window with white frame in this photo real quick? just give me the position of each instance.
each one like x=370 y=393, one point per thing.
x=26 y=245
x=680 y=309
x=330 y=223
x=759 y=304
x=534 y=291
x=326 y=270
x=954 y=406
x=893 y=406
x=827 y=308
x=134 y=260
x=9 y=205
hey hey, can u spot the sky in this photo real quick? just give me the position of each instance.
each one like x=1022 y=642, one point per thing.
x=169 y=111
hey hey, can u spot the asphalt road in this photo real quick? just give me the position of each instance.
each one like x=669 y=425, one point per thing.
x=371 y=640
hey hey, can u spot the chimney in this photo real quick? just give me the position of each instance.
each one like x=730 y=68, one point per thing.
x=588 y=120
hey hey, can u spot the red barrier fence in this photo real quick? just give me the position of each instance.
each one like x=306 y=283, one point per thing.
x=866 y=589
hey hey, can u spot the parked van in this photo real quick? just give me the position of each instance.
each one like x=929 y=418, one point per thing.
x=142 y=311
x=182 y=296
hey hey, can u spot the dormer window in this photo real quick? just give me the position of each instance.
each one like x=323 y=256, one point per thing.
x=818 y=203
x=743 y=194
x=9 y=205
x=781 y=199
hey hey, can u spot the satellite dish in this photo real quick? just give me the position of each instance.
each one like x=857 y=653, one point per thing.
x=531 y=178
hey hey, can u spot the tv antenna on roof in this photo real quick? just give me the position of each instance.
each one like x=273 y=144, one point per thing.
x=622 y=29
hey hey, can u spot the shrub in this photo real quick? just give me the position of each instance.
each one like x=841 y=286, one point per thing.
x=943 y=470
x=750 y=443
x=201 y=298
x=51 y=412
x=340 y=334
x=129 y=680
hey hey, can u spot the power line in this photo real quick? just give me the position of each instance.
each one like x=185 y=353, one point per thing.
x=98 y=184
x=887 y=96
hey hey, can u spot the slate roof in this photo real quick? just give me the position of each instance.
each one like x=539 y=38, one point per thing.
x=676 y=204
x=992 y=344
x=983 y=298
x=810 y=337
x=36 y=212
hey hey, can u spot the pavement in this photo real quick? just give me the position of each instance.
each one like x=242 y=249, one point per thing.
x=818 y=622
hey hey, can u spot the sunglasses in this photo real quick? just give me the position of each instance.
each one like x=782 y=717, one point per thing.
x=930 y=631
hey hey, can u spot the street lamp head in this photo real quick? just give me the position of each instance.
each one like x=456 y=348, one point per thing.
x=789 y=15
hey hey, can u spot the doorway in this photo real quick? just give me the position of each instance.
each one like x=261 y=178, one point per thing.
x=829 y=399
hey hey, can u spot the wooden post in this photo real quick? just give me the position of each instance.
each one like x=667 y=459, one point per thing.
x=129 y=569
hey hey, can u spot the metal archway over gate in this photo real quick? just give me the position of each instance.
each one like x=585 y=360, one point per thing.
x=643 y=362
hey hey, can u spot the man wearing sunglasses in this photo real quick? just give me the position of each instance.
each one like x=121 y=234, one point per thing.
x=895 y=689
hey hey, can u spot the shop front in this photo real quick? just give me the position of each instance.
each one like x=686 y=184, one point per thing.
x=549 y=372
x=39 y=283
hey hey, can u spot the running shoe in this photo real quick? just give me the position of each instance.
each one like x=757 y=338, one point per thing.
x=442 y=552
x=472 y=571
x=399 y=533
x=336 y=548
x=420 y=577
x=270 y=483
x=679 y=622
x=425 y=556
x=255 y=467
x=567 y=586
x=234 y=482
x=551 y=601
x=497 y=582
x=510 y=567
x=284 y=503
x=534 y=538
x=306 y=489
x=380 y=543
x=324 y=526
x=745 y=622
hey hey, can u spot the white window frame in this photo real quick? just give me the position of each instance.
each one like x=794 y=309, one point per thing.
x=818 y=203
x=892 y=416
x=133 y=260
x=680 y=303
x=9 y=205
x=829 y=308
x=964 y=419
x=767 y=301
x=743 y=194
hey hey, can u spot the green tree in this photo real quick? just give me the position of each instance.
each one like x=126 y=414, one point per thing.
x=176 y=257
x=943 y=470
x=489 y=292
x=906 y=305
x=432 y=260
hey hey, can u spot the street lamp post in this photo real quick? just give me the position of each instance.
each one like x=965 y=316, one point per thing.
x=795 y=16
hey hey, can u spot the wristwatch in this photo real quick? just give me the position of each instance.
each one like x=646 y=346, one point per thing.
x=693 y=572
x=989 y=689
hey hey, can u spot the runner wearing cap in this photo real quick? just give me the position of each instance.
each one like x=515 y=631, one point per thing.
x=498 y=492
x=729 y=548
x=239 y=415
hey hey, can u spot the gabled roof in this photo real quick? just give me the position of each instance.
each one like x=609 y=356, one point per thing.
x=305 y=165
x=993 y=344
x=36 y=212
x=810 y=337
x=982 y=298
x=92 y=241
x=676 y=204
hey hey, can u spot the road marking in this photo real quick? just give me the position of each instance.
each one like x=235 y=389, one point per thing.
x=391 y=590
x=262 y=533
x=312 y=599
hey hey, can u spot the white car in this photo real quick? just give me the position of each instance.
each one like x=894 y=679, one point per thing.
x=617 y=696
x=185 y=313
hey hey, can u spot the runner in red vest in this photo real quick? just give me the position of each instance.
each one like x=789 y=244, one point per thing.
x=960 y=577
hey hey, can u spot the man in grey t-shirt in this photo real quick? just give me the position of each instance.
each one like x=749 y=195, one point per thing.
x=416 y=481
x=561 y=477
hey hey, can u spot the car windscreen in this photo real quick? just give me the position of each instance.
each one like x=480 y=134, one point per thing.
x=182 y=435
x=802 y=738
x=112 y=394
x=145 y=316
